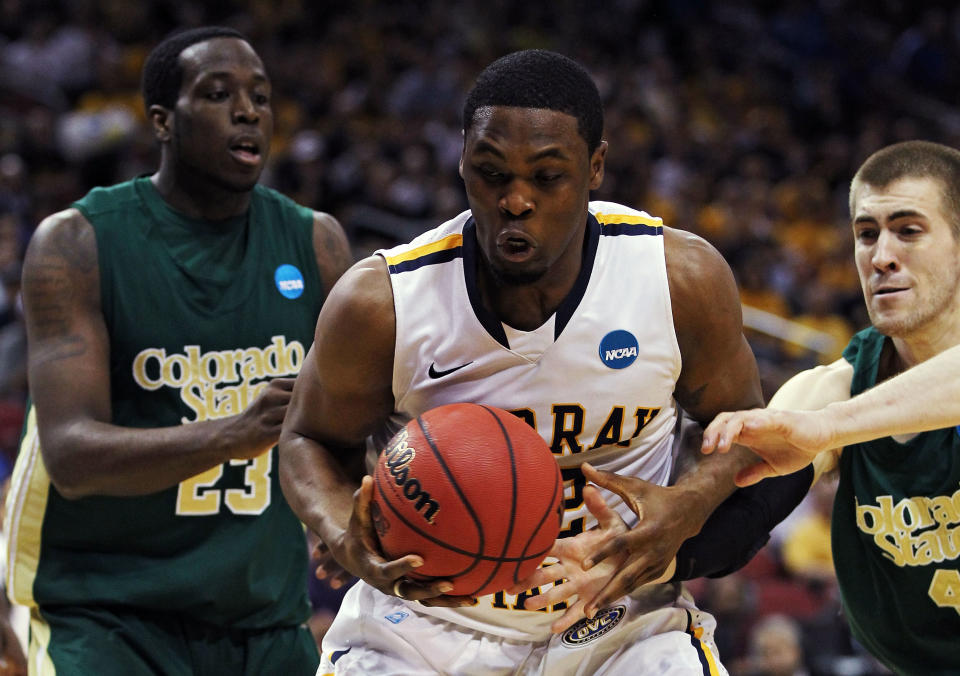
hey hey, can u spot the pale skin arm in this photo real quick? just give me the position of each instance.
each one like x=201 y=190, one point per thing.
x=68 y=346
x=803 y=421
x=718 y=371
x=343 y=392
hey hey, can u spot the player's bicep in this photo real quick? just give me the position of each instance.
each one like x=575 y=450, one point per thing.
x=719 y=370
x=67 y=341
x=345 y=387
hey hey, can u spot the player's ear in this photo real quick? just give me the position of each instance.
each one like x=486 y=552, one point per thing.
x=161 y=120
x=597 y=160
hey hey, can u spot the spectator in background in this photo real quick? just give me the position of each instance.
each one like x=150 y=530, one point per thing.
x=776 y=649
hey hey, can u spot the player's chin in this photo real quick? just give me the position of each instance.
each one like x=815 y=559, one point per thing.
x=516 y=275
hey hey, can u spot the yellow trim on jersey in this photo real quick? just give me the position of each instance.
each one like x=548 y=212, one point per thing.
x=697 y=633
x=38 y=652
x=448 y=242
x=26 y=504
x=629 y=219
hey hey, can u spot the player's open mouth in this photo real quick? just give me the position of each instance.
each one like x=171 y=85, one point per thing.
x=246 y=152
x=514 y=247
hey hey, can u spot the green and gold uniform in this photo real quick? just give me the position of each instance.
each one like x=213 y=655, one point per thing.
x=896 y=537
x=200 y=316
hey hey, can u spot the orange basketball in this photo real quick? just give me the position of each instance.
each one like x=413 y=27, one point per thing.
x=473 y=490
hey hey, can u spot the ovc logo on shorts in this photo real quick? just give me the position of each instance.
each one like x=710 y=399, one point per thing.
x=587 y=630
x=619 y=349
x=289 y=281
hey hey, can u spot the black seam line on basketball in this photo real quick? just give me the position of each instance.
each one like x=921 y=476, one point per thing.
x=557 y=485
x=513 y=494
x=477 y=556
x=474 y=558
x=434 y=373
x=463 y=498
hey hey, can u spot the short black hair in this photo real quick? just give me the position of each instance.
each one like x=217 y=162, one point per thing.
x=162 y=72
x=537 y=78
x=915 y=159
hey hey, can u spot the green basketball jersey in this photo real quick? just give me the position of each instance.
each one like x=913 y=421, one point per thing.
x=896 y=538
x=200 y=316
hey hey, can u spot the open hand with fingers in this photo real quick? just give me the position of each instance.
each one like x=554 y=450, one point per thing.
x=786 y=441
x=568 y=574
x=611 y=560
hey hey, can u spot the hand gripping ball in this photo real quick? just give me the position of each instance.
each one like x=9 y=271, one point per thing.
x=473 y=490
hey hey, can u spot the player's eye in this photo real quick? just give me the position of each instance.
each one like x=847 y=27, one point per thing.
x=490 y=173
x=549 y=176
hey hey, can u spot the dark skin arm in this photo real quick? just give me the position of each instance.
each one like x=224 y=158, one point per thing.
x=68 y=347
x=342 y=394
x=718 y=372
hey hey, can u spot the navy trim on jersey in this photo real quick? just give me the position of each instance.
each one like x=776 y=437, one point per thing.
x=698 y=646
x=614 y=229
x=430 y=259
x=567 y=307
x=487 y=319
x=570 y=304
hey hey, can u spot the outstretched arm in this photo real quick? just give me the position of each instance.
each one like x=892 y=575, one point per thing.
x=925 y=397
x=812 y=416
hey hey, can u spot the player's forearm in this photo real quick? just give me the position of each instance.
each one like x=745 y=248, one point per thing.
x=925 y=397
x=319 y=491
x=708 y=480
x=94 y=458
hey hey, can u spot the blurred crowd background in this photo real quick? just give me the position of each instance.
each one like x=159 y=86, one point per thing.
x=741 y=121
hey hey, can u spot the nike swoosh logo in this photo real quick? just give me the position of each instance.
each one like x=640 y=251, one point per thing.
x=434 y=373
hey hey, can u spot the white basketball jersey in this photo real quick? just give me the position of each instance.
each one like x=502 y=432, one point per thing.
x=596 y=380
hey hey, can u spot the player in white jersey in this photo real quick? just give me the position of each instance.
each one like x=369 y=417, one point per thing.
x=594 y=323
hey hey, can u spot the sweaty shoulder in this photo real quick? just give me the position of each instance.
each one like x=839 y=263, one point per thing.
x=695 y=267
x=331 y=248
x=65 y=239
x=360 y=304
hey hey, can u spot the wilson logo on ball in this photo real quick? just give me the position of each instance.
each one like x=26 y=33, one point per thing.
x=397 y=459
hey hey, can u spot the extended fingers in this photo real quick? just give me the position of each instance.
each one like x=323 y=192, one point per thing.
x=540 y=576
x=572 y=615
x=628 y=579
x=722 y=432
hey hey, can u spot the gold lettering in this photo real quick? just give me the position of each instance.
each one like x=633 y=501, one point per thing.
x=905 y=533
x=253 y=368
x=140 y=376
x=942 y=509
x=193 y=397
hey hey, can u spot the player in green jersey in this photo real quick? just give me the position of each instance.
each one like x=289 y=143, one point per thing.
x=166 y=317
x=896 y=517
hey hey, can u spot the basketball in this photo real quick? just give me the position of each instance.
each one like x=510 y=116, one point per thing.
x=473 y=490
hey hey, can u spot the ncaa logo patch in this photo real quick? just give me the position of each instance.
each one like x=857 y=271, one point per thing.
x=289 y=281
x=619 y=349
x=587 y=630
